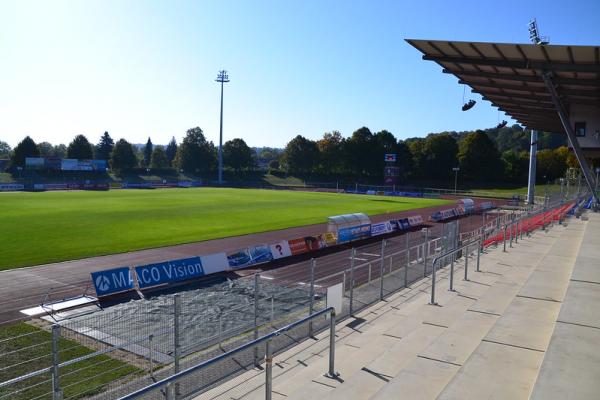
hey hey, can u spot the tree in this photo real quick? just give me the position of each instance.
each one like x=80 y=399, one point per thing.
x=360 y=152
x=415 y=146
x=148 y=152
x=405 y=159
x=45 y=149
x=300 y=156
x=552 y=164
x=171 y=150
x=478 y=157
x=274 y=165
x=80 y=148
x=330 y=153
x=159 y=158
x=4 y=149
x=123 y=157
x=439 y=156
x=59 y=151
x=516 y=165
x=104 y=147
x=195 y=154
x=27 y=148
x=238 y=156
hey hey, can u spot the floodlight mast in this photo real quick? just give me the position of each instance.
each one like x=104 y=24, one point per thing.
x=222 y=78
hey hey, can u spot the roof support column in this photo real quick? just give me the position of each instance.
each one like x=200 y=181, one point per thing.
x=566 y=123
x=532 y=168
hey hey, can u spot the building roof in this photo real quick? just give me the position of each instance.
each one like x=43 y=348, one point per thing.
x=510 y=76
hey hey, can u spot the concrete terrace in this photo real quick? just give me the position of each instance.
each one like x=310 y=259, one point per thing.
x=526 y=326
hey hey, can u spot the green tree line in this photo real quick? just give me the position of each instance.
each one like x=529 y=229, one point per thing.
x=495 y=155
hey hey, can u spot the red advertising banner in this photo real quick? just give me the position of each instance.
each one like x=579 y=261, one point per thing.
x=298 y=246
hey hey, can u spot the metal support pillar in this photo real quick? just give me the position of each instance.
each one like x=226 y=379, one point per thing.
x=532 y=168
x=566 y=123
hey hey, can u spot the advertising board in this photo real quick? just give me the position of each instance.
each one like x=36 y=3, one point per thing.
x=213 y=263
x=99 y=165
x=381 y=228
x=170 y=271
x=298 y=246
x=112 y=281
x=415 y=220
x=34 y=162
x=69 y=164
x=280 y=249
x=53 y=164
x=330 y=238
x=354 y=233
x=11 y=187
x=260 y=254
x=239 y=258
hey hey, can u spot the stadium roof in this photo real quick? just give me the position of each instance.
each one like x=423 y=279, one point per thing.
x=510 y=76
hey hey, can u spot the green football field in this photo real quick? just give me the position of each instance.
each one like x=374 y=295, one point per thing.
x=39 y=228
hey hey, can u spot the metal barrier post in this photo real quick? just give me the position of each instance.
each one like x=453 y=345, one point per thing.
x=268 y=371
x=56 y=391
x=504 y=239
x=433 y=282
x=150 y=355
x=352 y=281
x=169 y=392
x=312 y=295
x=466 y=262
x=331 y=372
x=480 y=246
x=383 y=244
x=407 y=260
x=176 y=345
x=425 y=251
x=510 y=233
x=256 y=299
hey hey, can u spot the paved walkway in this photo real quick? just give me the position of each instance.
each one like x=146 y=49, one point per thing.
x=526 y=326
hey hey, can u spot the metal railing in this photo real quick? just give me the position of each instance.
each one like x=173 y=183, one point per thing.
x=451 y=254
x=170 y=382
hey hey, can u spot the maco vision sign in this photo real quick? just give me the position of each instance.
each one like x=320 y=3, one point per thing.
x=170 y=271
x=112 y=281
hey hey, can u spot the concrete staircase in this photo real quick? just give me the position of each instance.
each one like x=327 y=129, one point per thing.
x=487 y=339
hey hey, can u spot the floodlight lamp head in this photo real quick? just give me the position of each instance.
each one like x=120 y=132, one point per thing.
x=222 y=76
x=534 y=34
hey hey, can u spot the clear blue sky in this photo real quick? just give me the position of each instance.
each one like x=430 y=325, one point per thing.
x=147 y=68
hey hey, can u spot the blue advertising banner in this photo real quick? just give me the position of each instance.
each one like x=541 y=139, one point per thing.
x=354 y=233
x=239 y=259
x=380 y=228
x=112 y=281
x=170 y=271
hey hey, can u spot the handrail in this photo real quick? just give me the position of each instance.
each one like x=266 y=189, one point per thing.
x=451 y=253
x=169 y=381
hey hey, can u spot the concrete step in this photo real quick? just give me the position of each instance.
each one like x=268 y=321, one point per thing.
x=506 y=362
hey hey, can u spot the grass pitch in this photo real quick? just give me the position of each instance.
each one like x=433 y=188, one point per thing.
x=48 y=227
